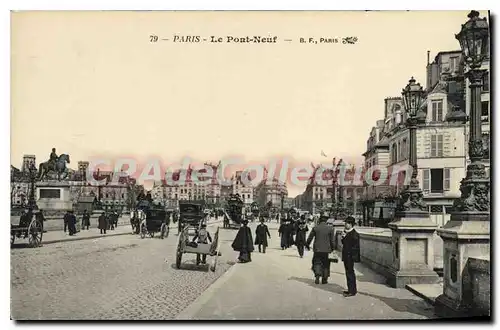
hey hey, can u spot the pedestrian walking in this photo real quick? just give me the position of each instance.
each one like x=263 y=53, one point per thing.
x=350 y=255
x=261 y=235
x=323 y=236
x=66 y=220
x=85 y=220
x=243 y=243
x=300 y=237
x=102 y=223
x=71 y=223
x=283 y=234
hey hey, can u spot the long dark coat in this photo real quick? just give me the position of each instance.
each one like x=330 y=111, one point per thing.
x=300 y=238
x=86 y=219
x=102 y=222
x=350 y=247
x=261 y=234
x=243 y=241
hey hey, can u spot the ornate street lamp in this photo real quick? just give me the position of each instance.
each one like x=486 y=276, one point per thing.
x=411 y=199
x=32 y=177
x=474 y=203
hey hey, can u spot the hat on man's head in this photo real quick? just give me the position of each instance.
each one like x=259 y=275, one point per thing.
x=350 y=220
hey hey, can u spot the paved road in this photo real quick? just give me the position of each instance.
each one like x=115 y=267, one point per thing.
x=280 y=285
x=121 y=277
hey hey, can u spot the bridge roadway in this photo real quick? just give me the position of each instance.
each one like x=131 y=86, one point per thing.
x=125 y=277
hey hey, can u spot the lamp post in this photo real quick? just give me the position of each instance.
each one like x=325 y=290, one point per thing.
x=467 y=234
x=411 y=199
x=32 y=177
x=474 y=203
x=412 y=225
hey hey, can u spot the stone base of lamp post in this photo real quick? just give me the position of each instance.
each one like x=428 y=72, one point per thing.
x=461 y=240
x=413 y=250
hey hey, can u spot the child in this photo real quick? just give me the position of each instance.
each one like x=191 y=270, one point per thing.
x=300 y=238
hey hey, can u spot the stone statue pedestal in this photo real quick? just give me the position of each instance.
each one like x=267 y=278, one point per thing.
x=53 y=197
x=461 y=240
x=413 y=250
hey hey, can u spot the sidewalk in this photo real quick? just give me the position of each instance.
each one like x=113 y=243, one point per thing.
x=280 y=285
x=60 y=236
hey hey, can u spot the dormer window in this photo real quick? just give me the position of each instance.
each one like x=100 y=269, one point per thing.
x=437 y=110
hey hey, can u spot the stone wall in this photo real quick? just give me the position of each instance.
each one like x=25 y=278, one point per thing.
x=375 y=248
x=476 y=286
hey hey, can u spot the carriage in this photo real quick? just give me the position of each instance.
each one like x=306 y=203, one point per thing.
x=192 y=216
x=28 y=228
x=234 y=211
x=153 y=219
x=255 y=210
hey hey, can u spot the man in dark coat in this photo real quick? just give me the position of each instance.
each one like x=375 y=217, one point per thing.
x=283 y=234
x=324 y=241
x=261 y=235
x=71 y=223
x=292 y=226
x=66 y=219
x=300 y=237
x=102 y=223
x=243 y=243
x=85 y=220
x=350 y=255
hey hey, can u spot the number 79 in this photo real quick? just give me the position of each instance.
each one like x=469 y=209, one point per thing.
x=153 y=38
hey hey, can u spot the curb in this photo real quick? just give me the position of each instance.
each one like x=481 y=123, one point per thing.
x=420 y=295
x=82 y=238
x=189 y=312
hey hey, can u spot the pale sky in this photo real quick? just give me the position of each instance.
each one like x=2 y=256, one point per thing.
x=92 y=83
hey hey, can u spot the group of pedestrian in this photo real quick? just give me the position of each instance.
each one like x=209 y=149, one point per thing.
x=70 y=222
x=324 y=244
x=107 y=221
x=293 y=231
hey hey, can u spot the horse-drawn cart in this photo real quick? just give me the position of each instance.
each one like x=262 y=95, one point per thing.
x=30 y=229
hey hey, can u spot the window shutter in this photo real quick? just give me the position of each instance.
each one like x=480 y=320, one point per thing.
x=426 y=181
x=446 y=178
x=440 y=145
x=433 y=146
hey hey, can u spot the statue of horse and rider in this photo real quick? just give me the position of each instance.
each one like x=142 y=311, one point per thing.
x=55 y=164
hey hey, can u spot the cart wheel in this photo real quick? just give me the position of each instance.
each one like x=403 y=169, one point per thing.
x=35 y=233
x=152 y=234
x=178 y=259
x=12 y=239
x=162 y=231
x=143 y=232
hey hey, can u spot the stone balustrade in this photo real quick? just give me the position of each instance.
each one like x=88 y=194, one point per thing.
x=377 y=252
x=375 y=248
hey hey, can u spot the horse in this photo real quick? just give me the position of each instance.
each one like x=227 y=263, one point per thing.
x=136 y=218
x=60 y=167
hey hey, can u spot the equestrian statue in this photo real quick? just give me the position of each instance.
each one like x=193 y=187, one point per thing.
x=55 y=164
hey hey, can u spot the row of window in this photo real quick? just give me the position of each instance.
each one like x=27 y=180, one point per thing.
x=436 y=148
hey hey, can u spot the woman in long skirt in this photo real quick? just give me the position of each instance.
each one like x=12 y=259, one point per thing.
x=243 y=243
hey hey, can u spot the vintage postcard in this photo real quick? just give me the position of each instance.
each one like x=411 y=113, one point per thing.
x=251 y=165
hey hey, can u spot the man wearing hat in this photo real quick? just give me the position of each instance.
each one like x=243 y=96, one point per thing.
x=350 y=255
x=324 y=241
